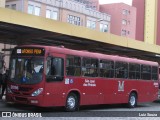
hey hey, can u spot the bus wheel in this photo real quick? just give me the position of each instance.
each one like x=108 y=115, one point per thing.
x=72 y=103
x=132 y=102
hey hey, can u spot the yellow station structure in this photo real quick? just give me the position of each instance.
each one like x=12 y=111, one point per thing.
x=150 y=30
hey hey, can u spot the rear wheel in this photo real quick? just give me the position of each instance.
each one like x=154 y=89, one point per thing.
x=72 y=103
x=132 y=102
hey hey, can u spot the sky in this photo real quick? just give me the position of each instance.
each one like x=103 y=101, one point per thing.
x=129 y=2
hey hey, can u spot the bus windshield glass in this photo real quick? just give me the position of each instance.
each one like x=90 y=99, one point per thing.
x=26 y=70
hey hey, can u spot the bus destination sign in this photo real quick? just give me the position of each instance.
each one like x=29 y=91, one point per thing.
x=30 y=51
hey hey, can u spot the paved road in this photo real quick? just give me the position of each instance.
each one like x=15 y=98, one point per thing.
x=142 y=110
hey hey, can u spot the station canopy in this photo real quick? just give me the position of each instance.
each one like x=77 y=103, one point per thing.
x=27 y=29
x=21 y=35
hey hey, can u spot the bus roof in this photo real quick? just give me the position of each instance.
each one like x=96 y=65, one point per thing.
x=82 y=53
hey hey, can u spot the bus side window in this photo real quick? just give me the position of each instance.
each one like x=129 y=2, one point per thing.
x=55 y=69
x=90 y=67
x=134 y=71
x=145 y=72
x=154 y=73
x=73 y=65
x=106 y=68
x=48 y=69
x=121 y=70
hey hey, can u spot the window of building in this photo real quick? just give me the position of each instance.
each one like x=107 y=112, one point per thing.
x=106 y=68
x=91 y=24
x=74 y=20
x=48 y=13
x=37 y=11
x=55 y=15
x=134 y=71
x=123 y=32
x=30 y=9
x=34 y=10
x=73 y=66
x=124 y=22
x=154 y=73
x=103 y=28
x=129 y=22
x=125 y=12
x=13 y=6
x=90 y=67
x=51 y=14
x=145 y=72
x=121 y=70
x=7 y=6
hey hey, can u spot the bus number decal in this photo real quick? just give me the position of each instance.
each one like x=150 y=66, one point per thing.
x=90 y=83
x=120 y=86
x=13 y=87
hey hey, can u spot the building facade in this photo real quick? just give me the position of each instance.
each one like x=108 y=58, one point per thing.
x=140 y=5
x=123 y=21
x=148 y=21
x=72 y=11
x=93 y=4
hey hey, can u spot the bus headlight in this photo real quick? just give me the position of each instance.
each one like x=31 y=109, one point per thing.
x=37 y=92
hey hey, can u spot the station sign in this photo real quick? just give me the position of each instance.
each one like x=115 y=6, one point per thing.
x=29 y=51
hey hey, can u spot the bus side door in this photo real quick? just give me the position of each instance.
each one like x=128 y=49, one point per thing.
x=54 y=87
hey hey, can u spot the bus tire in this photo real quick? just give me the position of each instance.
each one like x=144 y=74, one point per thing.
x=132 y=102
x=72 y=103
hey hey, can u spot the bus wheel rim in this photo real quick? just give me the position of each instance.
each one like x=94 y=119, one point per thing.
x=132 y=100
x=71 y=102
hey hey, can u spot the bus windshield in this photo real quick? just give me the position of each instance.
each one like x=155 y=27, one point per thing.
x=26 y=70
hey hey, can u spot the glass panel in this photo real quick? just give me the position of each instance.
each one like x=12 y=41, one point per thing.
x=48 y=13
x=26 y=70
x=101 y=27
x=106 y=69
x=73 y=66
x=146 y=72
x=55 y=15
x=6 y=6
x=154 y=73
x=30 y=9
x=88 y=23
x=13 y=6
x=105 y=28
x=37 y=11
x=93 y=26
x=134 y=71
x=90 y=67
x=55 y=69
x=121 y=70
x=74 y=20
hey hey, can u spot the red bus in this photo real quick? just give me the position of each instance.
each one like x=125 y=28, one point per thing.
x=56 y=76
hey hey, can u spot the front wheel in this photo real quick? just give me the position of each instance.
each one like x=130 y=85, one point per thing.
x=72 y=103
x=132 y=102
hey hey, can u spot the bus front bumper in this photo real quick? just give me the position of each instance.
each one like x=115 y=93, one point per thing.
x=37 y=101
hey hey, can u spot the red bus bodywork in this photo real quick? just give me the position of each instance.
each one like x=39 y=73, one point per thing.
x=91 y=90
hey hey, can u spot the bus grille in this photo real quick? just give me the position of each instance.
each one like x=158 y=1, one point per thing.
x=20 y=93
x=25 y=89
x=21 y=99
